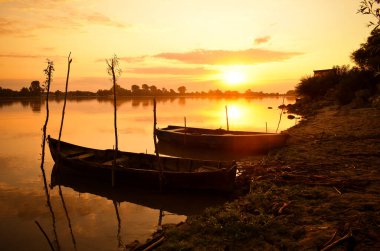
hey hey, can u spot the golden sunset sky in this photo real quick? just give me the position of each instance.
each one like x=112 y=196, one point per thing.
x=237 y=44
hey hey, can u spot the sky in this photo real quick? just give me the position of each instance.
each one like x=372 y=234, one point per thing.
x=215 y=44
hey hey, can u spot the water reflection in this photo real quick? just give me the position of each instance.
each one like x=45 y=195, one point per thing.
x=47 y=194
x=67 y=217
x=35 y=104
x=180 y=203
x=85 y=216
x=119 y=240
x=167 y=204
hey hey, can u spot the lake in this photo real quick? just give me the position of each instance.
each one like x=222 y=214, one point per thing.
x=88 y=216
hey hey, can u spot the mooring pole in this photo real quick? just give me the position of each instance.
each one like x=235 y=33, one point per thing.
x=282 y=110
x=228 y=127
x=155 y=142
x=184 y=139
x=113 y=70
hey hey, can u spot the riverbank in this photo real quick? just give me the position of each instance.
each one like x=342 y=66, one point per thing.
x=320 y=192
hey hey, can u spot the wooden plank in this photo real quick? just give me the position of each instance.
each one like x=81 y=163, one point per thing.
x=83 y=156
x=73 y=154
x=118 y=161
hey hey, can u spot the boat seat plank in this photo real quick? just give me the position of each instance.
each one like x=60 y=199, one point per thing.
x=206 y=169
x=118 y=161
x=83 y=156
x=72 y=154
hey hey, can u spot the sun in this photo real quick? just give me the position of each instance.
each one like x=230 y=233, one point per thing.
x=234 y=77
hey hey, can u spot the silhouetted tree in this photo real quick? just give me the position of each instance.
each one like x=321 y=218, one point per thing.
x=153 y=89
x=371 y=7
x=182 y=89
x=145 y=88
x=368 y=55
x=35 y=88
x=135 y=89
x=248 y=92
x=58 y=93
x=24 y=91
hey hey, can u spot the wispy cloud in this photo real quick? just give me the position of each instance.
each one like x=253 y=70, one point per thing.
x=138 y=59
x=21 y=17
x=261 y=40
x=48 y=48
x=226 y=57
x=9 y=27
x=19 y=56
x=98 y=18
x=28 y=56
x=172 y=71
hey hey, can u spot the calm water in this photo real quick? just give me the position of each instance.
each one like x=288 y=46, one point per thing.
x=86 y=216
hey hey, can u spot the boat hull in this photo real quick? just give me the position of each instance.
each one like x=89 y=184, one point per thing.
x=144 y=169
x=235 y=141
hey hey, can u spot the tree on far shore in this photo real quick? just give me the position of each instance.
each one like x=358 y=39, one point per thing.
x=182 y=89
x=35 y=88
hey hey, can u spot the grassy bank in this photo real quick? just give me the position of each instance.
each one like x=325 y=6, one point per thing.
x=320 y=192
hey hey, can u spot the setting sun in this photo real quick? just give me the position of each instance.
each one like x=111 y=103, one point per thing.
x=234 y=77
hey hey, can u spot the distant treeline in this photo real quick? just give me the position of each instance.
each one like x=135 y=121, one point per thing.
x=35 y=90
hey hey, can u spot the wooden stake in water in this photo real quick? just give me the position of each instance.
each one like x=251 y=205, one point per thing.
x=155 y=142
x=184 y=138
x=282 y=110
x=69 y=60
x=266 y=127
x=228 y=127
x=113 y=70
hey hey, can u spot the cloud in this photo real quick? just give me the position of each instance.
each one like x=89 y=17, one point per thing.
x=98 y=18
x=8 y=27
x=225 y=57
x=24 y=17
x=172 y=71
x=30 y=56
x=20 y=56
x=48 y=48
x=261 y=40
x=133 y=59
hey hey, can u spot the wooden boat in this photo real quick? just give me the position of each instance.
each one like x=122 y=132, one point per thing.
x=144 y=169
x=238 y=141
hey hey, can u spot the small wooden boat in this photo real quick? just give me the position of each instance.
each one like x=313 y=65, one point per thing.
x=144 y=169
x=253 y=142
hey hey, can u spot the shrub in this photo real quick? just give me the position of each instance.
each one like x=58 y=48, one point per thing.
x=356 y=84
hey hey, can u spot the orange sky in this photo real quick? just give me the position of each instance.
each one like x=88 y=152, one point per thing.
x=237 y=44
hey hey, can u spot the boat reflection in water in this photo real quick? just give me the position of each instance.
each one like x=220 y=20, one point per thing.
x=180 y=203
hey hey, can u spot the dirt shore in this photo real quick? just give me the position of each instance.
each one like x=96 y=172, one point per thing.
x=320 y=192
